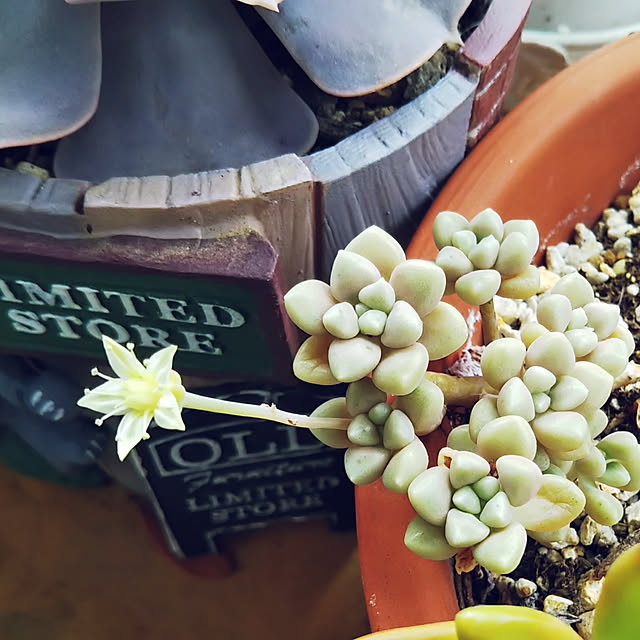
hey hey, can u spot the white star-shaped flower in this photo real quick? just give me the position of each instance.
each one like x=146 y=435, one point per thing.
x=140 y=393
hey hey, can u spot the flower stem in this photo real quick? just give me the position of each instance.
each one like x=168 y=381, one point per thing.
x=459 y=391
x=489 y=322
x=262 y=412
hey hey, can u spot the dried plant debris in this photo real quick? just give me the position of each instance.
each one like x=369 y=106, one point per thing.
x=565 y=577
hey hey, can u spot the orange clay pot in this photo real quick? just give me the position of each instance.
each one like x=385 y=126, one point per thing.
x=559 y=158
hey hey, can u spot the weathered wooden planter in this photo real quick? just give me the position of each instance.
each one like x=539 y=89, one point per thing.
x=559 y=158
x=201 y=260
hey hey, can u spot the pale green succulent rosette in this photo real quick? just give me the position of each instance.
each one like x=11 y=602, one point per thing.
x=370 y=319
x=382 y=438
x=376 y=326
x=484 y=256
x=467 y=503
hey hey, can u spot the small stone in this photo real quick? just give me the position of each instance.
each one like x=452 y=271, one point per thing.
x=556 y=605
x=633 y=289
x=607 y=270
x=583 y=234
x=606 y=536
x=633 y=516
x=620 y=267
x=622 y=247
x=589 y=592
x=554 y=557
x=504 y=584
x=572 y=552
x=592 y=274
x=584 y=626
x=525 y=588
x=588 y=530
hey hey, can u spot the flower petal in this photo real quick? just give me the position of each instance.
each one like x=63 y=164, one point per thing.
x=132 y=428
x=167 y=413
x=123 y=361
x=160 y=363
x=104 y=398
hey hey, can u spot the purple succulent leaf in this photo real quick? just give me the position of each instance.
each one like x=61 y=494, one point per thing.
x=355 y=47
x=185 y=88
x=50 y=71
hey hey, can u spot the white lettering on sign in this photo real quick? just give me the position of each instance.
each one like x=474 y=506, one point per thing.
x=121 y=304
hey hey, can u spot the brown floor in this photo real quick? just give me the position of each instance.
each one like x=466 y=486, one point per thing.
x=79 y=564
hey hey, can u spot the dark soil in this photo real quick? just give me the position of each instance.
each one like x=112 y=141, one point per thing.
x=562 y=572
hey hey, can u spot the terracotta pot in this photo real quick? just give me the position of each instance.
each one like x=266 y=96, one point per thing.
x=559 y=158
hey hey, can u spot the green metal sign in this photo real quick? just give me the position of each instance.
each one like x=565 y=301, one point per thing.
x=65 y=308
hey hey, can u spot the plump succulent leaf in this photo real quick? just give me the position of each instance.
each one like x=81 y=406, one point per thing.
x=464 y=530
x=404 y=466
x=350 y=273
x=507 y=622
x=506 y=435
x=380 y=248
x=362 y=395
x=515 y=399
x=306 y=303
x=400 y=371
x=478 y=287
x=378 y=295
x=616 y=615
x=420 y=283
x=557 y=503
x=428 y=541
x=403 y=326
x=502 y=550
x=334 y=408
x=553 y=352
x=502 y=360
x=521 y=286
x=600 y=505
x=365 y=465
x=363 y=432
x=430 y=495
x=519 y=477
x=445 y=225
x=424 y=406
x=444 y=331
x=576 y=287
x=311 y=363
x=398 y=430
x=341 y=321
x=350 y=360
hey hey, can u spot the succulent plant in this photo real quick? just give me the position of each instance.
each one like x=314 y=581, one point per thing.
x=529 y=460
x=179 y=86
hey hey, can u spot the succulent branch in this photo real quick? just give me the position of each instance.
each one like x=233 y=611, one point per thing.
x=528 y=461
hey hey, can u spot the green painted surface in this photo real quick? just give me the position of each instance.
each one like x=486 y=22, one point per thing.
x=50 y=308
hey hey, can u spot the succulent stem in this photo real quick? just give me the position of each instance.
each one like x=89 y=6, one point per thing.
x=489 y=322
x=262 y=412
x=460 y=391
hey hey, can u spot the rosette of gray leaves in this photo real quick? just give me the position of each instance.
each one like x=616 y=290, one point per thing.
x=163 y=87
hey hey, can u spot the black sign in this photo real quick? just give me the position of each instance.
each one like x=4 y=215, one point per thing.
x=226 y=474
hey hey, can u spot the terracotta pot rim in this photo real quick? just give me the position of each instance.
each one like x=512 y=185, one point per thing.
x=537 y=163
